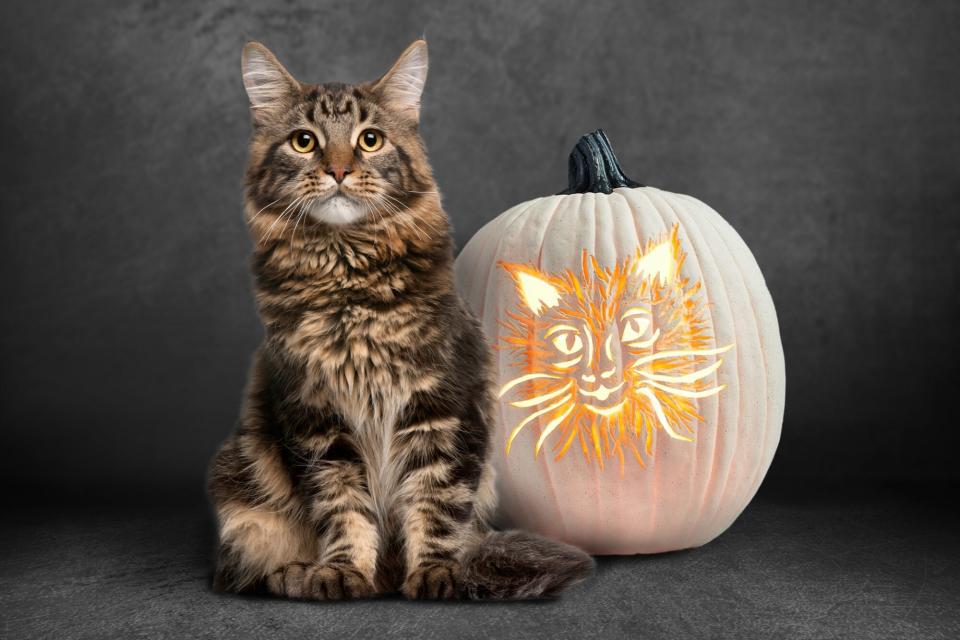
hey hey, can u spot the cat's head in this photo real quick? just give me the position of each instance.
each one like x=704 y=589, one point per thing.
x=610 y=354
x=336 y=153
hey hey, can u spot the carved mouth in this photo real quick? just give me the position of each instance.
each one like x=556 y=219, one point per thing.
x=606 y=411
x=602 y=394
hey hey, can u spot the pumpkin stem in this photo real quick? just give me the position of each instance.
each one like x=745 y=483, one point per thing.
x=593 y=167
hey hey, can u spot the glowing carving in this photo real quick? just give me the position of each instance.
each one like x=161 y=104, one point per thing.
x=611 y=354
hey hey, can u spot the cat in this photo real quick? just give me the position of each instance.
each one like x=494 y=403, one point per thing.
x=612 y=354
x=361 y=462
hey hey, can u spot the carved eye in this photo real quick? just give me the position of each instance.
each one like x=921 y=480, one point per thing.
x=634 y=328
x=370 y=140
x=303 y=141
x=568 y=342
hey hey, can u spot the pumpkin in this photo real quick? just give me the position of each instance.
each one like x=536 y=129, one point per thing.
x=639 y=364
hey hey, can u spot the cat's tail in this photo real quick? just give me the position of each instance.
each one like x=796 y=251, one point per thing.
x=516 y=565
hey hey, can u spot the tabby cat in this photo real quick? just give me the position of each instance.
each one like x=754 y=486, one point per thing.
x=361 y=462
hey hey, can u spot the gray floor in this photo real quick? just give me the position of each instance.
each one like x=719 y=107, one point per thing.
x=859 y=568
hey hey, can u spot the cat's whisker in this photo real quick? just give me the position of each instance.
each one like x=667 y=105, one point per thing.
x=409 y=224
x=533 y=416
x=397 y=213
x=254 y=216
x=287 y=208
x=381 y=201
x=304 y=210
x=370 y=207
x=404 y=207
x=526 y=378
x=282 y=214
x=298 y=209
x=400 y=209
x=291 y=216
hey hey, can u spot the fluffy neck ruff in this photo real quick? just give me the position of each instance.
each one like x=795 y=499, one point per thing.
x=404 y=255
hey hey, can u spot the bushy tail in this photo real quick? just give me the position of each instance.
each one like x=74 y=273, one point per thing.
x=516 y=565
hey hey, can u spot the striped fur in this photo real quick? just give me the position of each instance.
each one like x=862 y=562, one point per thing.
x=360 y=464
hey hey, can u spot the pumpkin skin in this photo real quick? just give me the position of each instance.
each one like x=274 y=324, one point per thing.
x=662 y=472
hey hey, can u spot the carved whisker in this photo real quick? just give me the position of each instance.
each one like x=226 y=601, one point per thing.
x=534 y=416
x=532 y=402
x=553 y=424
x=526 y=378
x=690 y=377
x=703 y=393
x=680 y=353
x=661 y=417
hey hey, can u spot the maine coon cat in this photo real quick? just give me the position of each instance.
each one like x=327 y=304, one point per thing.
x=360 y=464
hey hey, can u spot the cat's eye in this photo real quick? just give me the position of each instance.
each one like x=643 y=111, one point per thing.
x=568 y=342
x=634 y=328
x=303 y=141
x=370 y=140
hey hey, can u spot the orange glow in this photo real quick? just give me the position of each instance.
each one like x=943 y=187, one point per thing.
x=610 y=354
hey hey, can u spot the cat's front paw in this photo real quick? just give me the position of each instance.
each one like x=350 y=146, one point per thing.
x=320 y=582
x=433 y=581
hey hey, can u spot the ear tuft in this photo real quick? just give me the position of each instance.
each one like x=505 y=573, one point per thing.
x=537 y=290
x=267 y=83
x=402 y=86
x=660 y=261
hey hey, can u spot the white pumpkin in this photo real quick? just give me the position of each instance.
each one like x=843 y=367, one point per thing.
x=641 y=373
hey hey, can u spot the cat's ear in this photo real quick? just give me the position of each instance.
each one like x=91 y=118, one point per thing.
x=402 y=86
x=537 y=290
x=660 y=261
x=268 y=84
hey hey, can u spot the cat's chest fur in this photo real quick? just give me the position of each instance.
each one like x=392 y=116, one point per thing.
x=362 y=333
x=365 y=363
x=361 y=360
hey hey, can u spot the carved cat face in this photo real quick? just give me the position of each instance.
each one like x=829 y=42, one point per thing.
x=610 y=354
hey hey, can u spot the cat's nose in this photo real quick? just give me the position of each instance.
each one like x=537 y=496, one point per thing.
x=338 y=171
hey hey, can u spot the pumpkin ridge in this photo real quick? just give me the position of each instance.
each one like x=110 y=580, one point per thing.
x=707 y=259
x=761 y=468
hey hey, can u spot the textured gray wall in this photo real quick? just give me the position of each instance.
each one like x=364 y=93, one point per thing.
x=827 y=133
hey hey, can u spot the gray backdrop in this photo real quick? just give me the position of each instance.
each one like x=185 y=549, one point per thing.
x=827 y=133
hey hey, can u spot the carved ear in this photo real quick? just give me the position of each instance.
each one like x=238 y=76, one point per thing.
x=537 y=290
x=268 y=84
x=660 y=261
x=402 y=86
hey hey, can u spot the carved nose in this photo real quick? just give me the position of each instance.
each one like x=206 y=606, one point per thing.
x=339 y=172
x=607 y=366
